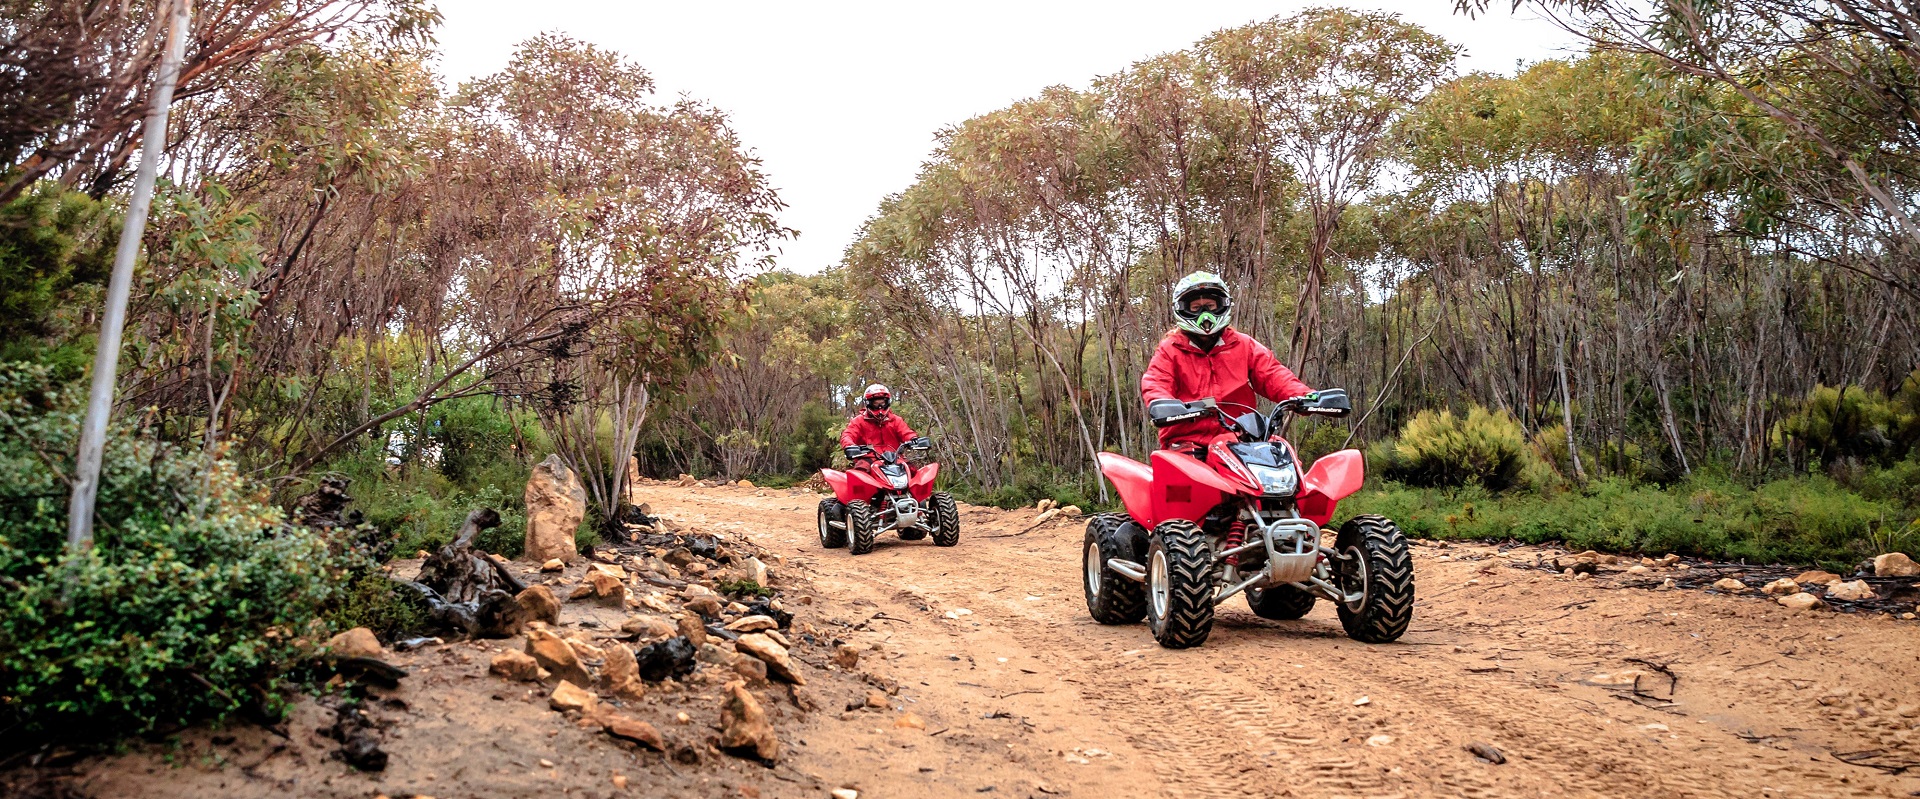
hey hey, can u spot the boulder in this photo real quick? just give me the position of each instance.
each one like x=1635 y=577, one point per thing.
x=555 y=655
x=515 y=666
x=605 y=587
x=556 y=504
x=567 y=696
x=1782 y=587
x=648 y=628
x=540 y=604
x=356 y=643
x=687 y=481
x=1855 y=591
x=1801 y=602
x=1730 y=585
x=1895 y=564
x=779 y=663
x=1043 y=505
x=744 y=483
x=743 y=724
x=554 y=565
x=753 y=624
x=621 y=674
x=620 y=725
x=1817 y=577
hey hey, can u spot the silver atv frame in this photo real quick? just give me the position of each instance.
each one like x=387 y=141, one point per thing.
x=1293 y=554
x=894 y=511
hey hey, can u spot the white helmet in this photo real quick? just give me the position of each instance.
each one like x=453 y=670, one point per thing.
x=1195 y=286
x=880 y=393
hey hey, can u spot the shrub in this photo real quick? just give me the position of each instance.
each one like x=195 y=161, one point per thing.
x=1437 y=448
x=192 y=602
x=1850 y=422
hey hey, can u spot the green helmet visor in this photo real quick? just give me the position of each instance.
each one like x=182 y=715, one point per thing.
x=1203 y=311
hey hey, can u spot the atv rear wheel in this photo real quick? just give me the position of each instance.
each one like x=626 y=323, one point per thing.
x=946 y=520
x=1179 y=584
x=1377 y=565
x=1111 y=598
x=1280 y=603
x=860 y=527
x=832 y=511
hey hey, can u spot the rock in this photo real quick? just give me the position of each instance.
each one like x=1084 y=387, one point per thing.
x=621 y=674
x=694 y=630
x=1782 y=587
x=909 y=721
x=678 y=556
x=356 y=643
x=1043 y=505
x=556 y=504
x=1730 y=585
x=779 y=664
x=687 y=481
x=555 y=655
x=1817 y=577
x=744 y=483
x=1379 y=740
x=648 y=628
x=743 y=724
x=1046 y=515
x=1895 y=564
x=846 y=657
x=567 y=696
x=1071 y=511
x=878 y=700
x=844 y=793
x=606 y=589
x=539 y=603
x=1638 y=570
x=515 y=666
x=670 y=658
x=1855 y=591
x=753 y=624
x=754 y=670
x=778 y=638
x=711 y=653
x=756 y=570
x=553 y=565
x=1669 y=559
x=1644 y=561
x=620 y=725
x=708 y=606
x=1801 y=602
x=1487 y=752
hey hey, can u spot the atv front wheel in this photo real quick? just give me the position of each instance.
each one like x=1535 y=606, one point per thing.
x=1376 y=565
x=860 y=527
x=1179 y=584
x=1111 y=598
x=832 y=511
x=946 y=520
x=1280 y=603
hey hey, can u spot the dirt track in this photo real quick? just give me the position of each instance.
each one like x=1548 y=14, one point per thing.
x=1026 y=696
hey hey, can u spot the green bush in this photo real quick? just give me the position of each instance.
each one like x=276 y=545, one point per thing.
x=1437 y=448
x=191 y=604
x=1849 y=422
x=424 y=509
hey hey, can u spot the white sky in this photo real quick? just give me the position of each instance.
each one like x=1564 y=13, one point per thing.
x=841 y=99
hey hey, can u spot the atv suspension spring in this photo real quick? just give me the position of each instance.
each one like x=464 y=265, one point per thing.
x=1236 y=535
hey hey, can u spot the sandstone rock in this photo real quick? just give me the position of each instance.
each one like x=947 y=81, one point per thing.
x=620 y=725
x=756 y=570
x=909 y=721
x=711 y=653
x=553 y=565
x=1043 y=505
x=567 y=696
x=707 y=606
x=1071 y=511
x=556 y=655
x=744 y=483
x=648 y=628
x=356 y=643
x=1638 y=570
x=605 y=588
x=878 y=700
x=844 y=793
x=621 y=674
x=695 y=630
x=754 y=670
x=540 y=604
x=846 y=657
x=1855 y=591
x=1895 y=564
x=1646 y=561
x=779 y=664
x=1801 y=602
x=753 y=624
x=1782 y=587
x=1669 y=559
x=556 y=503
x=515 y=666
x=687 y=481
x=743 y=724
x=777 y=638
x=1817 y=577
x=1730 y=585
x=1046 y=515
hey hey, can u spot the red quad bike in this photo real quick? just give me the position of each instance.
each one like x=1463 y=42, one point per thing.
x=1245 y=519
x=879 y=494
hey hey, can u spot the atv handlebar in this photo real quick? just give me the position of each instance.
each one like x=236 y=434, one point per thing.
x=858 y=451
x=1326 y=402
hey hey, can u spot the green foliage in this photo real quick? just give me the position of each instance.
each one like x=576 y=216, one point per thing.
x=815 y=437
x=191 y=604
x=742 y=588
x=1437 y=448
x=1850 y=422
x=56 y=247
x=424 y=508
x=379 y=604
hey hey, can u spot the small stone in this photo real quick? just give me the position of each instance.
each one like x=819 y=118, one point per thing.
x=1638 y=570
x=568 y=696
x=1043 y=505
x=515 y=666
x=1655 y=727
x=743 y=724
x=1782 y=587
x=958 y=612
x=846 y=657
x=779 y=664
x=754 y=670
x=705 y=605
x=1817 y=577
x=844 y=793
x=1487 y=752
x=356 y=643
x=1362 y=701
x=621 y=674
x=1730 y=585
x=1669 y=559
x=877 y=699
x=753 y=624
x=1046 y=515
x=682 y=718
x=1801 y=602
x=712 y=654
x=686 y=481
x=540 y=604
x=1895 y=564
x=555 y=655
x=909 y=721
x=1907 y=615
x=1071 y=511
x=778 y=638
x=1379 y=740
x=1854 y=591
x=648 y=628
x=623 y=726
x=553 y=565
x=756 y=570
x=619 y=782
x=678 y=556
x=1645 y=561
x=1668 y=584
x=693 y=629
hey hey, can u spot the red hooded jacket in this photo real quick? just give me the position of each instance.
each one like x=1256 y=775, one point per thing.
x=885 y=435
x=1231 y=372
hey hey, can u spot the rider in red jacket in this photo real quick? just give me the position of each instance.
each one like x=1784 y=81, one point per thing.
x=1204 y=357
x=875 y=425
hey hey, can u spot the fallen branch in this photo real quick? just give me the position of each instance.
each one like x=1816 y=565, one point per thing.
x=1862 y=759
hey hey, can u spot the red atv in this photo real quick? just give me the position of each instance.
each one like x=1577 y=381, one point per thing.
x=1238 y=516
x=881 y=493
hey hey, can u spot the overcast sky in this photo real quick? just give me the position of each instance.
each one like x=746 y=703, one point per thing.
x=841 y=99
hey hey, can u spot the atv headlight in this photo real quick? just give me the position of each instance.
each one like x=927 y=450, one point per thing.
x=898 y=480
x=1281 y=480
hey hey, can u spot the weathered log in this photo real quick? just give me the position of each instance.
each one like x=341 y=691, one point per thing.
x=467 y=590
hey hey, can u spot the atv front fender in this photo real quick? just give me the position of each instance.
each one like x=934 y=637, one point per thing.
x=1334 y=477
x=921 y=484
